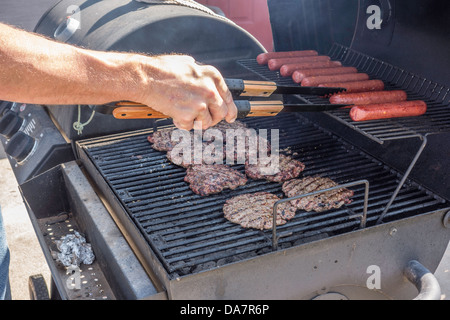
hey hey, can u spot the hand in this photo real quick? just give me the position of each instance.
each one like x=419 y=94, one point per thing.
x=187 y=92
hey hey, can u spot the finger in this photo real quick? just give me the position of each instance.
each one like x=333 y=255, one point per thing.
x=200 y=124
x=203 y=119
x=217 y=107
x=187 y=113
x=227 y=97
x=183 y=124
x=221 y=85
x=232 y=112
x=218 y=111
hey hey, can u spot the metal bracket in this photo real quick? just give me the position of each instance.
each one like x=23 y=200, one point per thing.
x=156 y=126
x=405 y=176
x=362 y=216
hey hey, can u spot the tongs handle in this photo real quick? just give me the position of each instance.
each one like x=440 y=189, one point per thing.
x=250 y=88
x=132 y=110
x=253 y=88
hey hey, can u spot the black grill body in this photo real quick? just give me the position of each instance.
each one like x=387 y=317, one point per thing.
x=191 y=238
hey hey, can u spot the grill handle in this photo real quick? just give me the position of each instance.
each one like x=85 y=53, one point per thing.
x=423 y=280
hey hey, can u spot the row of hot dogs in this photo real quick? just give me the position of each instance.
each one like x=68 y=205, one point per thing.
x=368 y=96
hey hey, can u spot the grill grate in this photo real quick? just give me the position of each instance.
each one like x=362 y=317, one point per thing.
x=437 y=96
x=189 y=233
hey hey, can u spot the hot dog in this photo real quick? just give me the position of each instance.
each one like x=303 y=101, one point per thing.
x=299 y=75
x=369 y=97
x=357 y=86
x=315 y=81
x=264 y=58
x=388 y=110
x=288 y=69
x=276 y=64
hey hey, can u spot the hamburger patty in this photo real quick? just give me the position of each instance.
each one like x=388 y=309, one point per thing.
x=161 y=141
x=206 y=157
x=223 y=126
x=325 y=201
x=287 y=169
x=240 y=151
x=255 y=210
x=209 y=179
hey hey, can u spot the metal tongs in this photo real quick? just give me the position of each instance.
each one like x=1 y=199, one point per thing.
x=246 y=108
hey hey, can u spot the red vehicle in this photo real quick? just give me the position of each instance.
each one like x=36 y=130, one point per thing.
x=252 y=15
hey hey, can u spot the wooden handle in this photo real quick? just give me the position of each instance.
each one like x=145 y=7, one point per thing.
x=258 y=88
x=250 y=88
x=139 y=112
x=265 y=108
x=132 y=110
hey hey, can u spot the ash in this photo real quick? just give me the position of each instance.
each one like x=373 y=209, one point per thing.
x=74 y=250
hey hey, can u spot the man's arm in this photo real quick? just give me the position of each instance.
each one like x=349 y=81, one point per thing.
x=38 y=70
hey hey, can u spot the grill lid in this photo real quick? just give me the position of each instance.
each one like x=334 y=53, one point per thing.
x=410 y=34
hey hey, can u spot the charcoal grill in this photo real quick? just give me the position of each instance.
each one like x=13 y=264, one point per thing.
x=183 y=227
x=154 y=238
x=189 y=234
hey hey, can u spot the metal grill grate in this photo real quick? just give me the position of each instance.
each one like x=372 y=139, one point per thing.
x=437 y=97
x=189 y=233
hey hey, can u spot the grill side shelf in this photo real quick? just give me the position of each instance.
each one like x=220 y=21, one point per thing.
x=437 y=97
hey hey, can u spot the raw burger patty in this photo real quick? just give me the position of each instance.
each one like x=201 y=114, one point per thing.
x=209 y=179
x=325 y=201
x=255 y=210
x=288 y=169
